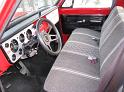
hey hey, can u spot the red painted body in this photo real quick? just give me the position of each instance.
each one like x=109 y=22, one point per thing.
x=84 y=11
x=44 y=27
x=9 y=4
x=120 y=3
x=60 y=3
x=4 y=64
x=5 y=12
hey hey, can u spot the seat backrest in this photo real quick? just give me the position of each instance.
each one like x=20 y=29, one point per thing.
x=110 y=23
x=113 y=13
x=108 y=50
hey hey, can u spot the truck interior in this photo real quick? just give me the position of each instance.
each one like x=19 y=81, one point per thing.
x=62 y=46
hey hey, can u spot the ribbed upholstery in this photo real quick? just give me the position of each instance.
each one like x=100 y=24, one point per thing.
x=111 y=42
x=62 y=81
x=92 y=40
x=111 y=26
x=81 y=48
x=110 y=57
x=82 y=62
x=113 y=13
x=114 y=36
x=87 y=32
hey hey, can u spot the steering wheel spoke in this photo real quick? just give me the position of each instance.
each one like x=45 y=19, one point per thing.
x=53 y=38
x=49 y=28
x=50 y=47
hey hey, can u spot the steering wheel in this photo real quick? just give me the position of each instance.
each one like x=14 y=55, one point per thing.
x=46 y=37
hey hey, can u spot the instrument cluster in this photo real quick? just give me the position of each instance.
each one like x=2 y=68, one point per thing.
x=13 y=47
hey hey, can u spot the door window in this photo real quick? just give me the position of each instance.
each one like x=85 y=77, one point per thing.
x=88 y=3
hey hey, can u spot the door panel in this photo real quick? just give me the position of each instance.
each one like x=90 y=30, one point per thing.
x=72 y=18
x=71 y=22
x=82 y=17
x=92 y=18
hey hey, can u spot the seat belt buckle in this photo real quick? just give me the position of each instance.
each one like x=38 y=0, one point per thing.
x=96 y=39
x=92 y=59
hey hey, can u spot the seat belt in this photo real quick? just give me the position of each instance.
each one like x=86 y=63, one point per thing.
x=1 y=86
x=114 y=77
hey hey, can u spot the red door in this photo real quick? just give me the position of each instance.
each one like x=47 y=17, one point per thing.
x=91 y=17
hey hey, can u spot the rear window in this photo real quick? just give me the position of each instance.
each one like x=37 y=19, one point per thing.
x=88 y=3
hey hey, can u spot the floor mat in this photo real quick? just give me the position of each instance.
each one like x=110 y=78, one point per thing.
x=40 y=64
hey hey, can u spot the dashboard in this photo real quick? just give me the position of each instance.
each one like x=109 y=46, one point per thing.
x=14 y=47
x=23 y=43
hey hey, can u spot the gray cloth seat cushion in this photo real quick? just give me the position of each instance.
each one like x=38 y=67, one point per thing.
x=73 y=62
x=81 y=49
x=87 y=32
x=85 y=35
x=78 y=63
x=69 y=82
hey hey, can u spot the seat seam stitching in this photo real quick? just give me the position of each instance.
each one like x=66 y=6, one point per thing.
x=110 y=34
x=111 y=53
x=107 y=27
x=86 y=34
x=74 y=72
x=75 y=53
x=83 y=44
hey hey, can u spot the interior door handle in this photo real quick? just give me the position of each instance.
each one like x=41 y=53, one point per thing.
x=81 y=21
x=95 y=21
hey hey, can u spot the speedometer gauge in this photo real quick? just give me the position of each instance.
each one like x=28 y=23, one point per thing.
x=29 y=34
x=14 y=46
x=22 y=38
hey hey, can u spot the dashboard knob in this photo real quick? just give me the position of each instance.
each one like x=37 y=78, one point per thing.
x=13 y=57
x=20 y=51
x=6 y=45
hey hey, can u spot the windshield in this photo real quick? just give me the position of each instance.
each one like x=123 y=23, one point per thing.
x=2 y=2
x=29 y=6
